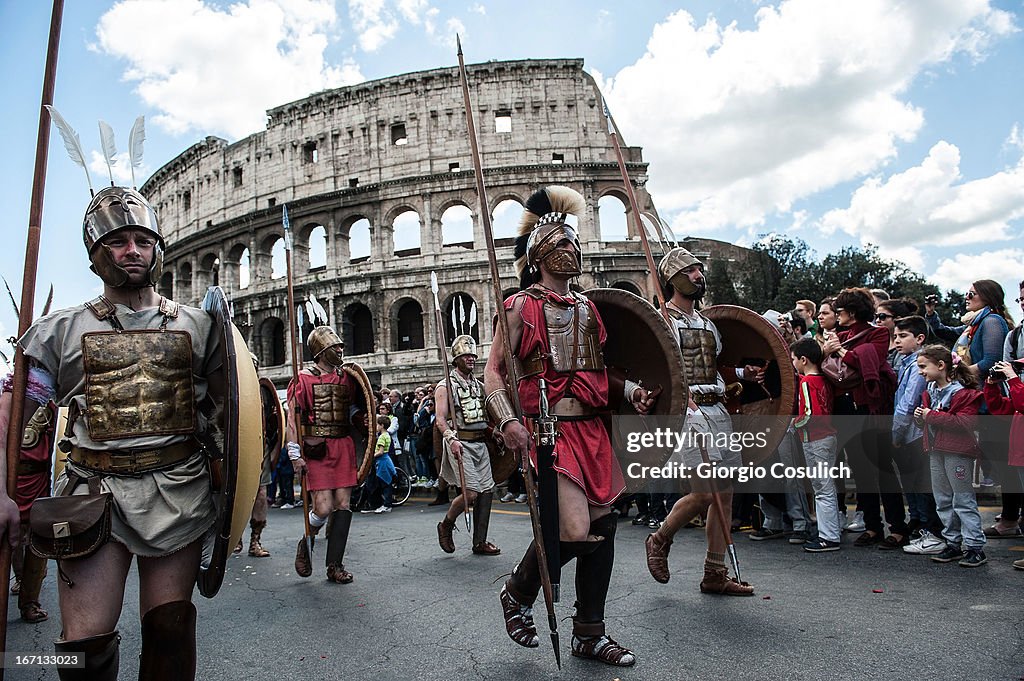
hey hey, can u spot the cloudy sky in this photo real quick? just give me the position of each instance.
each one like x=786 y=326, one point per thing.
x=842 y=122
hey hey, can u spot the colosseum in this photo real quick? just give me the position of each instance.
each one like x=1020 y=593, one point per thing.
x=379 y=184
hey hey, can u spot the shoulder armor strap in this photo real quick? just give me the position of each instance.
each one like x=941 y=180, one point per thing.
x=101 y=307
x=314 y=371
x=533 y=292
x=169 y=308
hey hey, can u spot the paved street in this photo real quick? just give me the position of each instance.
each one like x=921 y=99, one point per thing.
x=417 y=613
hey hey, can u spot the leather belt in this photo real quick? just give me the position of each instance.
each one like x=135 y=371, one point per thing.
x=570 y=409
x=132 y=461
x=33 y=466
x=471 y=435
x=707 y=399
x=307 y=430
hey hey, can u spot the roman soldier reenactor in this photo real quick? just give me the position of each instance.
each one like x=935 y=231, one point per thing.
x=137 y=373
x=466 y=442
x=328 y=402
x=556 y=335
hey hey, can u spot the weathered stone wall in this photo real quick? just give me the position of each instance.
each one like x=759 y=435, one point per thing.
x=373 y=151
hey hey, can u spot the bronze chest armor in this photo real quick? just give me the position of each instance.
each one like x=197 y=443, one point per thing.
x=699 y=356
x=470 y=413
x=331 y=403
x=138 y=383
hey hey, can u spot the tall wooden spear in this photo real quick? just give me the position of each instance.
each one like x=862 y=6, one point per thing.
x=28 y=289
x=448 y=384
x=548 y=589
x=293 y=333
x=634 y=208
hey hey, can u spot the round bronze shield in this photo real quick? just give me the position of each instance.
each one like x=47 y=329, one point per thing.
x=642 y=345
x=747 y=338
x=238 y=457
x=273 y=422
x=363 y=442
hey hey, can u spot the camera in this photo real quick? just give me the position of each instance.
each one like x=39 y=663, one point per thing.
x=998 y=376
x=931 y=299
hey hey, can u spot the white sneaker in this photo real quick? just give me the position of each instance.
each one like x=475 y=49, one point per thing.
x=432 y=483
x=286 y=506
x=521 y=499
x=508 y=498
x=926 y=545
x=383 y=509
x=857 y=524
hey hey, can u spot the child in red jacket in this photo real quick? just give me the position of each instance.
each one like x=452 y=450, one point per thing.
x=998 y=405
x=948 y=415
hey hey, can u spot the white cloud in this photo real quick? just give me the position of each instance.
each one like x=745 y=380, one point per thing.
x=478 y=9
x=121 y=170
x=926 y=204
x=1015 y=140
x=1005 y=266
x=739 y=124
x=375 y=22
x=210 y=70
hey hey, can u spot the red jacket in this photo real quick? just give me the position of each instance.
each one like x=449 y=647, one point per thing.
x=870 y=356
x=1003 y=406
x=955 y=426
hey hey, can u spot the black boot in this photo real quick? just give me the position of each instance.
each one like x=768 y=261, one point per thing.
x=101 y=655
x=337 y=540
x=169 y=643
x=481 y=521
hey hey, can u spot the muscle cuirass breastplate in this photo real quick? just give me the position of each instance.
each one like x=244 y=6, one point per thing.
x=699 y=356
x=331 y=402
x=138 y=383
x=573 y=334
x=469 y=414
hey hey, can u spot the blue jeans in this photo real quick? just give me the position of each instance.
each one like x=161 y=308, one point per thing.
x=955 y=501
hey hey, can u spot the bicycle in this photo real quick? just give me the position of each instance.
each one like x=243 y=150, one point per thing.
x=401 y=489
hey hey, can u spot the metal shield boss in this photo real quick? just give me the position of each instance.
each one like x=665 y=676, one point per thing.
x=237 y=458
x=749 y=338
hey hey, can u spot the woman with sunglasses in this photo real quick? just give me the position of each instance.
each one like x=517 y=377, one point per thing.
x=986 y=325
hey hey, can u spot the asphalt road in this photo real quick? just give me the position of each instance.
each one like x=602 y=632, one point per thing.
x=414 y=612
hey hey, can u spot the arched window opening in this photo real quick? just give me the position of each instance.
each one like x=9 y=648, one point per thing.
x=272 y=342
x=406 y=229
x=243 y=269
x=185 y=283
x=357 y=329
x=628 y=286
x=505 y=219
x=611 y=214
x=166 y=288
x=457 y=227
x=318 y=248
x=359 y=241
x=278 y=265
x=409 y=326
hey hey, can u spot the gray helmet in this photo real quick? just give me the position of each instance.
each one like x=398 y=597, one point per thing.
x=111 y=210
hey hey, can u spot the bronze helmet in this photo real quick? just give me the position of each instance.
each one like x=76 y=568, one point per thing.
x=671 y=267
x=111 y=210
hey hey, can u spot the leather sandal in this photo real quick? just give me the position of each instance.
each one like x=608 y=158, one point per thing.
x=303 y=561
x=657 y=557
x=16 y=587
x=256 y=550
x=32 y=613
x=519 y=624
x=444 y=536
x=339 y=575
x=604 y=649
x=486 y=548
x=719 y=582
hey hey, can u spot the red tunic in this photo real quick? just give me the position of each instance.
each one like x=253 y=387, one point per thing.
x=338 y=468
x=31 y=486
x=583 y=451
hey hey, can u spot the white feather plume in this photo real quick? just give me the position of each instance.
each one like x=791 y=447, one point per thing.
x=135 y=139
x=72 y=144
x=109 y=148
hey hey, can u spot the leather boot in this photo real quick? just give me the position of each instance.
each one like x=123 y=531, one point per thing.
x=169 y=643
x=481 y=521
x=594 y=571
x=717 y=581
x=33 y=571
x=657 y=557
x=337 y=540
x=303 y=561
x=256 y=549
x=101 y=655
x=444 y=535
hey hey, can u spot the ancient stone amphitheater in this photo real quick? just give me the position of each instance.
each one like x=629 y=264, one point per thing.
x=378 y=180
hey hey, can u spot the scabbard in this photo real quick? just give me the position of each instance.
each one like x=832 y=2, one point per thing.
x=547 y=491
